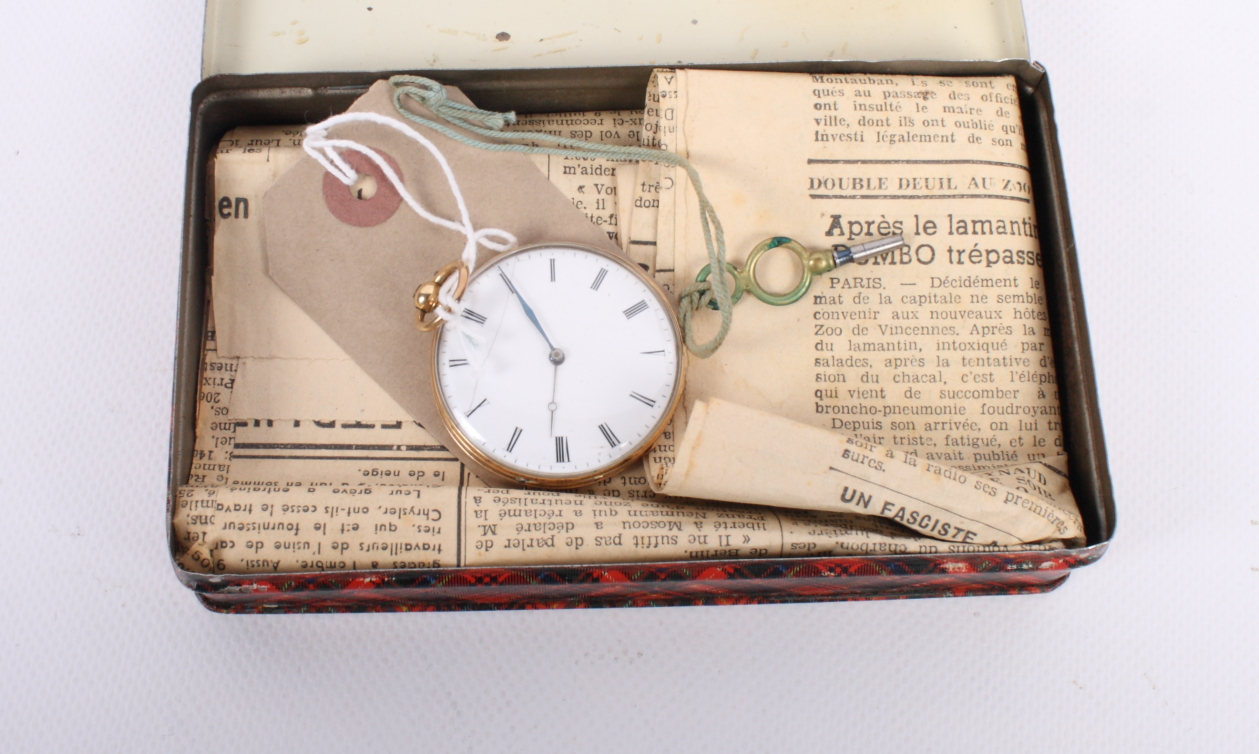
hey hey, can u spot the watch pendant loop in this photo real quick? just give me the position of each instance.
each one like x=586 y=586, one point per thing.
x=426 y=295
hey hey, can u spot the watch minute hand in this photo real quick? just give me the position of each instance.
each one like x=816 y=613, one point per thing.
x=528 y=309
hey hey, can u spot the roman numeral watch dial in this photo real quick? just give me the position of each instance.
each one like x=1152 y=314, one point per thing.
x=565 y=366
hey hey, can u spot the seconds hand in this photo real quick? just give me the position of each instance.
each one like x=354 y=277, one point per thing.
x=555 y=378
x=556 y=356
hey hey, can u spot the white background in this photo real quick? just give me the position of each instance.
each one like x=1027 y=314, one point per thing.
x=1152 y=649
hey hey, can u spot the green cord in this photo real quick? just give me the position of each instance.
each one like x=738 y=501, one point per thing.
x=714 y=292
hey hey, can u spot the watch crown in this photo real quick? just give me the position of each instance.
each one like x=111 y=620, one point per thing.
x=426 y=295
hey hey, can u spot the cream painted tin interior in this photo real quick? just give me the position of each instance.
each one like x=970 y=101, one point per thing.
x=284 y=36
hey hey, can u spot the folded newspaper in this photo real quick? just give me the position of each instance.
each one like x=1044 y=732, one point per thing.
x=907 y=404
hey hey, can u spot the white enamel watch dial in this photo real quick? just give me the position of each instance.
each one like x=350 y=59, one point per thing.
x=565 y=366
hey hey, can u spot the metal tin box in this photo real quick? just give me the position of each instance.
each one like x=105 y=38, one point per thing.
x=223 y=102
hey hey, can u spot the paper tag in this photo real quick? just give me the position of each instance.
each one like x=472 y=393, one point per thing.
x=358 y=283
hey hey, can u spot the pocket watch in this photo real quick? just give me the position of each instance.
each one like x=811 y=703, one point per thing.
x=562 y=368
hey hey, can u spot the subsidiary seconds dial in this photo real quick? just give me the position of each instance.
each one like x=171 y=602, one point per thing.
x=565 y=367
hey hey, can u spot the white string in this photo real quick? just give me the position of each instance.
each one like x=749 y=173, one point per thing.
x=324 y=150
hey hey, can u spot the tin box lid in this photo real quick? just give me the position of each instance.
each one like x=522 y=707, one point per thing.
x=289 y=36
